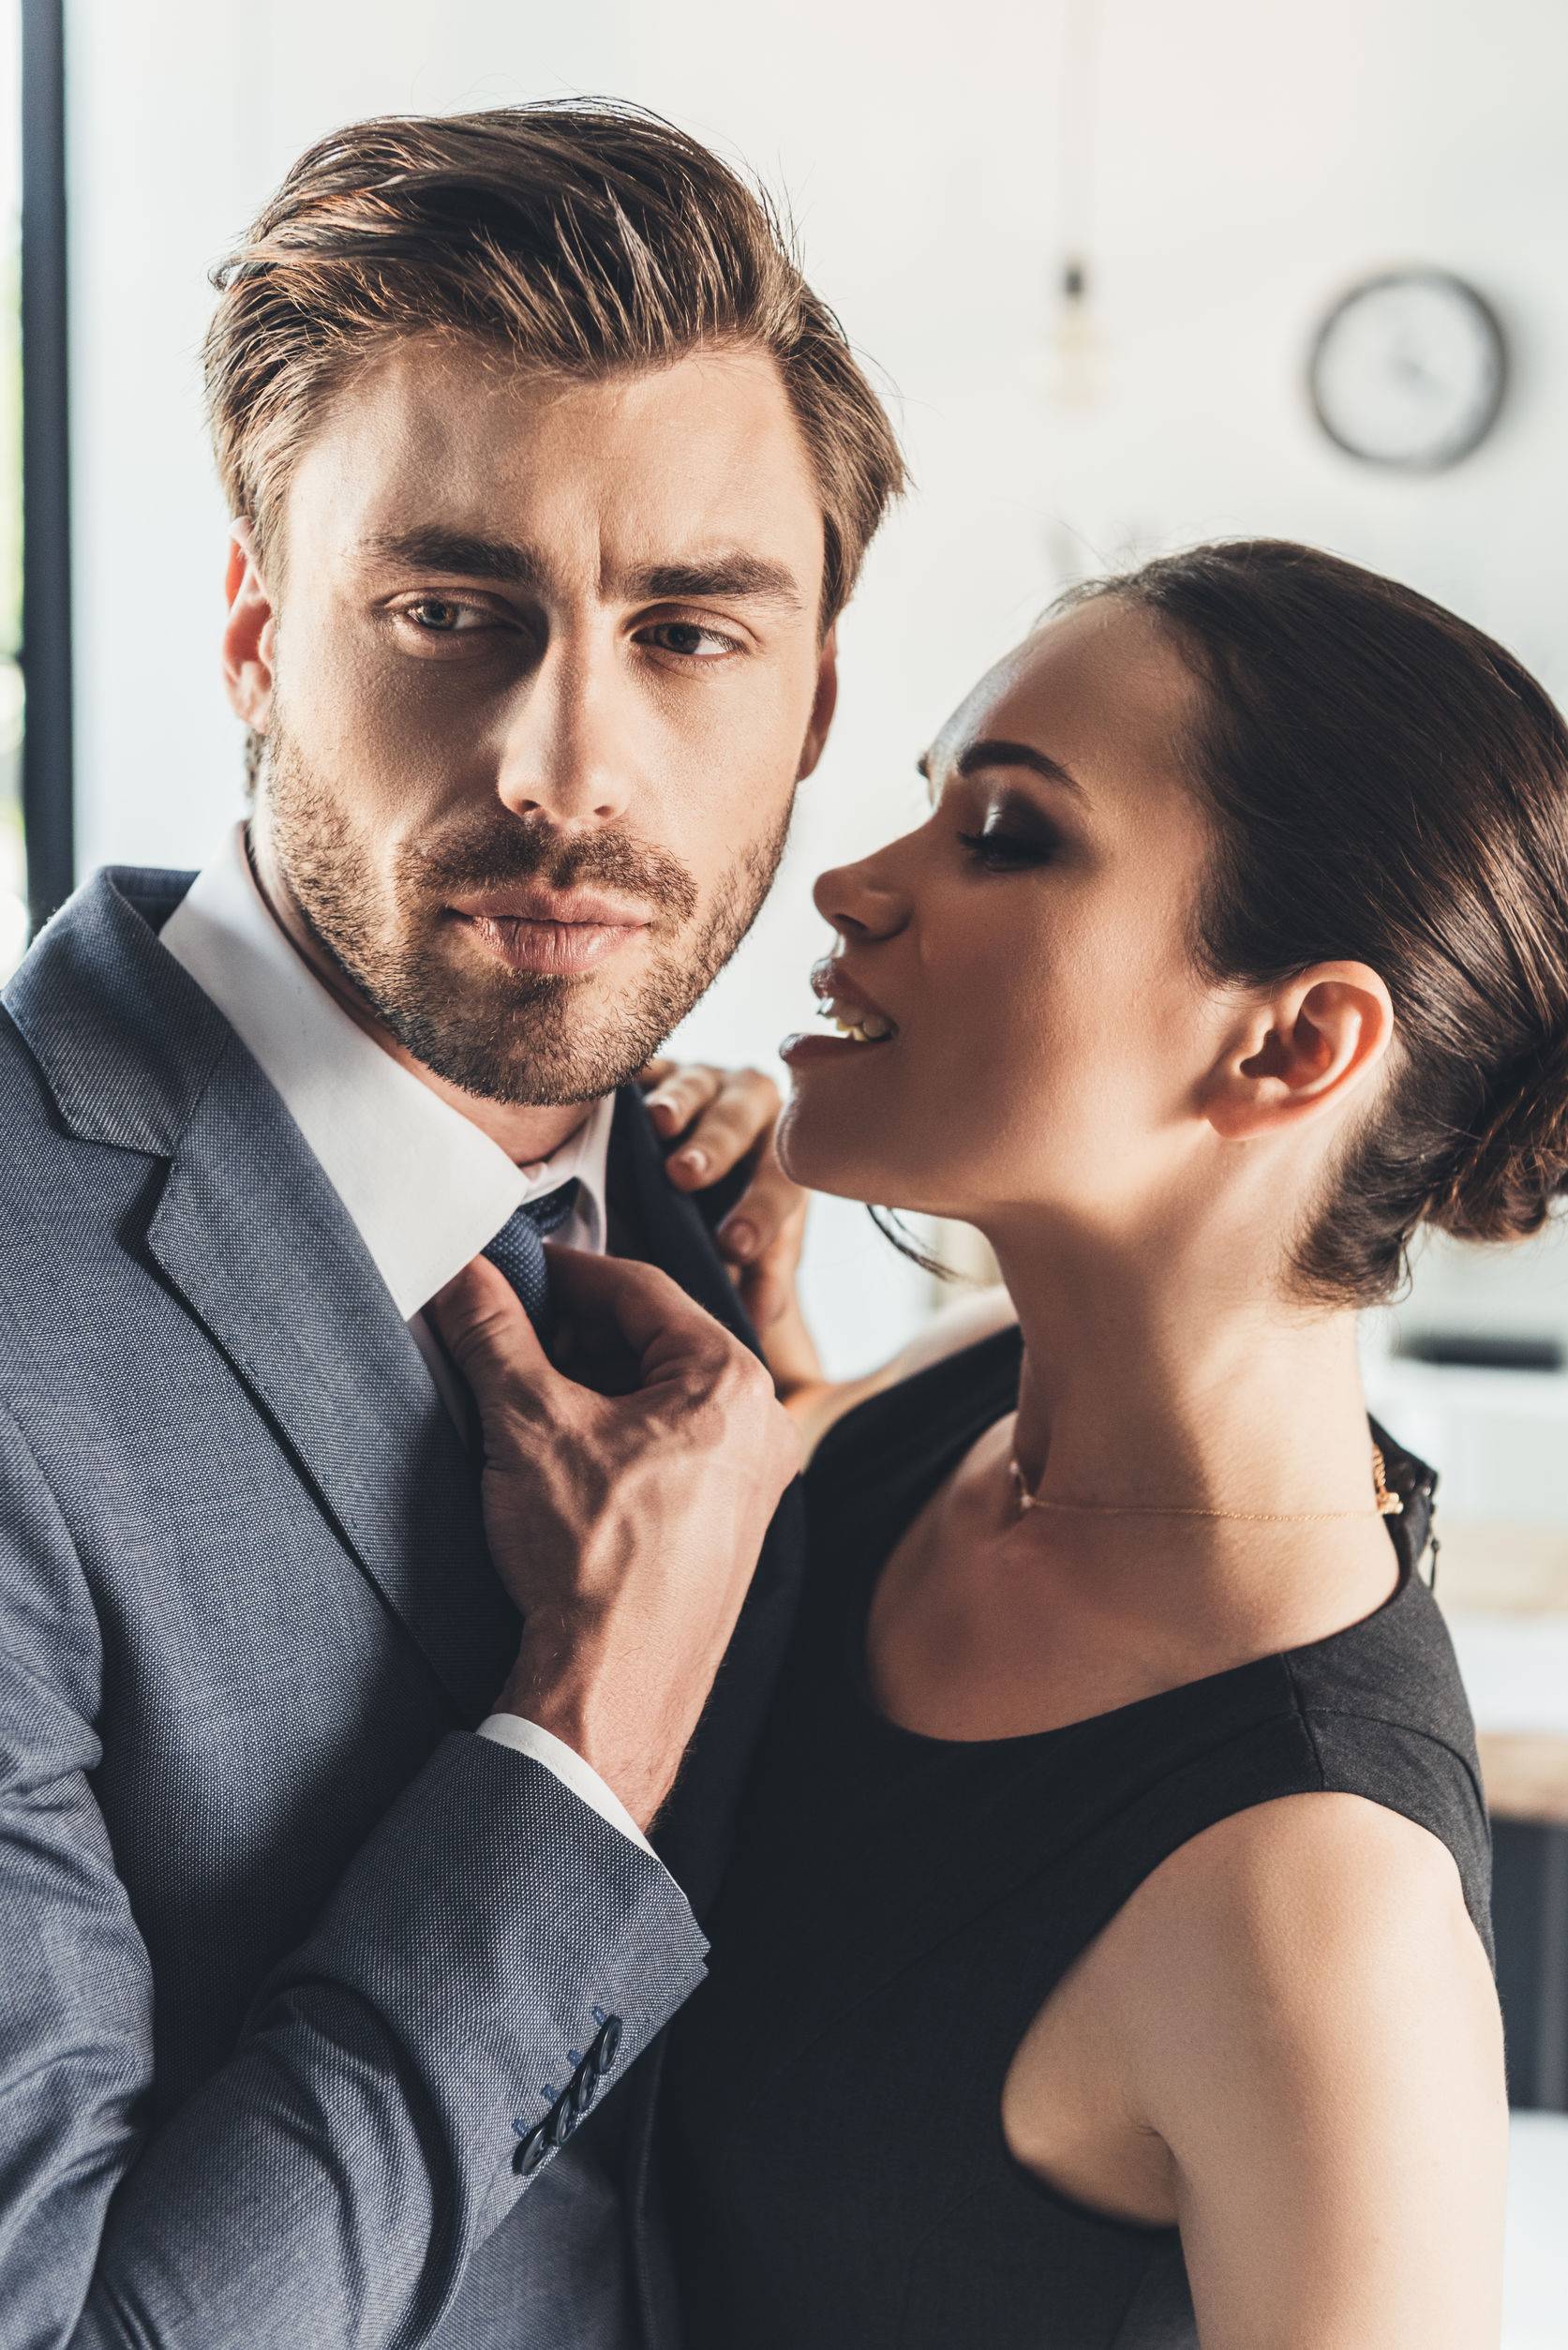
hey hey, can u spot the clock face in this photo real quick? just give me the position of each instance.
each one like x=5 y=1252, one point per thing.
x=1409 y=371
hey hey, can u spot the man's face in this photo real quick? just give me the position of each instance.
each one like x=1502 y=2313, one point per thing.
x=545 y=670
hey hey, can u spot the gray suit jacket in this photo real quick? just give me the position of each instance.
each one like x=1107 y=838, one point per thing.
x=307 y=1988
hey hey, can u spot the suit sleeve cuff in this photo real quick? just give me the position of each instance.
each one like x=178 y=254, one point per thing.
x=528 y=1738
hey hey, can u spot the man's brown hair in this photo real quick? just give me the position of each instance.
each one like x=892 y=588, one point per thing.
x=586 y=238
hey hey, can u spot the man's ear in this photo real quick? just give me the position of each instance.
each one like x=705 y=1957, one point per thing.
x=824 y=702
x=1310 y=1045
x=249 y=632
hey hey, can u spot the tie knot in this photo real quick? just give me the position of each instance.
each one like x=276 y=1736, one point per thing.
x=547 y=1213
x=518 y=1250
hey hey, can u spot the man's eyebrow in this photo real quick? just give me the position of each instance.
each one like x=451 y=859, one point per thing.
x=738 y=575
x=992 y=752
x=430 y=546
x=470 y=555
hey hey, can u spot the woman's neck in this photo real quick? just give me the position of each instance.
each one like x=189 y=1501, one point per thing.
x=1176 y=1376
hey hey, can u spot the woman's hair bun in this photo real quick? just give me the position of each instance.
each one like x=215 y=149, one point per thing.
x=1504 y=1177
x=1387 y=786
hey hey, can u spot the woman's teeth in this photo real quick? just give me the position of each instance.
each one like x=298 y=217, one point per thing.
x=866 y=1028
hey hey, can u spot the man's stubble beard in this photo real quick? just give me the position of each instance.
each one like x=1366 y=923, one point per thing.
x=523 y=1038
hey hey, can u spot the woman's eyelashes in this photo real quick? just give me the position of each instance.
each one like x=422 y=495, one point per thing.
x=1002 y=846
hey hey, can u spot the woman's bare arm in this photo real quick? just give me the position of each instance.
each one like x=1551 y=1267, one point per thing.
x=1313 y=2033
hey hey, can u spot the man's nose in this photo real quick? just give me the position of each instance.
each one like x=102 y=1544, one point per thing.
x=567 y=751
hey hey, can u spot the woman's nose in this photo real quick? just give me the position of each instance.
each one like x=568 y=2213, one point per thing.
x=861 y=898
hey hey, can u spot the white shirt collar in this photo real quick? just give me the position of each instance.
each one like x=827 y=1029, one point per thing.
x=426 y=1189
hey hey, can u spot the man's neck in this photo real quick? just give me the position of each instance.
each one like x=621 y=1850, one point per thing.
x=527 y=1134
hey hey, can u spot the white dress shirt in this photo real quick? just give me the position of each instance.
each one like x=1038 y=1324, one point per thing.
x=426 y=1188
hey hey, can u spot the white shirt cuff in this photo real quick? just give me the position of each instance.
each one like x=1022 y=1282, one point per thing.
x=528 y=1738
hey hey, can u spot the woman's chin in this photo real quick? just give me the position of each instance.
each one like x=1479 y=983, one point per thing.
x=801 y=1153
x=815 y=1150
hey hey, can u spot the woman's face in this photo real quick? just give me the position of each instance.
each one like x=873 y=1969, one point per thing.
x=1052 y=1038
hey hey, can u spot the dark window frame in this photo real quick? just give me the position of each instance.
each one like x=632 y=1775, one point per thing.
x=48 y=799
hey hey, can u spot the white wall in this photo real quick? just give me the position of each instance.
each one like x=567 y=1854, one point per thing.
x=1251 y=156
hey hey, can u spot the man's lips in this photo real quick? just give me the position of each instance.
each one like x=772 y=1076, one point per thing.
x=551 y=931
x=531 y=902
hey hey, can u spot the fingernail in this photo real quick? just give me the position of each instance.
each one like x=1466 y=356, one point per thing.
x=693 y=1161
x=740 y=1240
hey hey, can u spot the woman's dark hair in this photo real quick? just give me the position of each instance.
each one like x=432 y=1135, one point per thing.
x=1387 y=786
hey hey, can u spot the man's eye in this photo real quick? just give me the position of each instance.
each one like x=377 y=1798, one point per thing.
x=439 y=616
x=690 y=641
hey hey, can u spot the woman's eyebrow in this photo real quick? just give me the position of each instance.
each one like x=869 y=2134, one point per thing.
x=990 y=751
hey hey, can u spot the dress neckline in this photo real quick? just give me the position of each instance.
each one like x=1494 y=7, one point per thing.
x=1002 y=1352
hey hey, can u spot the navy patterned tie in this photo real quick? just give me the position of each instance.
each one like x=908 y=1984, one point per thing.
x=518 y=1248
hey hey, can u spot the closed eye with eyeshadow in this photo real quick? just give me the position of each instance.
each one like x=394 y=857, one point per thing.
x=1010 y=839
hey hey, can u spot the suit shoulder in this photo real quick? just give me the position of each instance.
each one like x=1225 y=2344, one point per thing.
x=30 y=1128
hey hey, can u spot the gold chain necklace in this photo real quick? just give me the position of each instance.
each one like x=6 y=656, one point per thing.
x=1385 y=1505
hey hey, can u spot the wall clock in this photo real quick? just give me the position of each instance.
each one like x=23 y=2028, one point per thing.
x=1409 y=371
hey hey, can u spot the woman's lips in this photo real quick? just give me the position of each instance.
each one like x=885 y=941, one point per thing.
x=524 y=944
x=842 y=999
x=805 y=1047
x=862 y=1026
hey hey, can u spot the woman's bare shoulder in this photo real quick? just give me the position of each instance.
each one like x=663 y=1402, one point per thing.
x=1264 y=1894
x=1325 y=1932
x=1301 y=2015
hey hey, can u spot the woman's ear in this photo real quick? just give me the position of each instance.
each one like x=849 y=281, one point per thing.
x=1314 y=1039
x=249 y=631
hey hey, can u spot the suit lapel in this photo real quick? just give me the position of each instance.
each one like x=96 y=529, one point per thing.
x=666 y=1228
x=254 y=1238
x=695 y=1833
x=250 y=1232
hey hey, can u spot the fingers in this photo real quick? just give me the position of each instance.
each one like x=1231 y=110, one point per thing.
x=769 y=1208
x=679 y=1093
x=643 y=1307
x=486 y=1330
x=771 y=1276
x=719 y=1115
x=651 y=1075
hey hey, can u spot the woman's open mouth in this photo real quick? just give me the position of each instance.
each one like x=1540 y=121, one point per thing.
x=857 y=1026
x=853 y=1019
x=862 y=1025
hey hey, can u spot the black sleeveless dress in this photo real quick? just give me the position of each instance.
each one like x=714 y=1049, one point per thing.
x=900 y=1906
